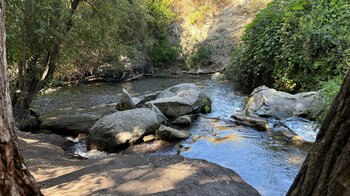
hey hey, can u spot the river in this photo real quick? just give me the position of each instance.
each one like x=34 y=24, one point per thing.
x=269 y=165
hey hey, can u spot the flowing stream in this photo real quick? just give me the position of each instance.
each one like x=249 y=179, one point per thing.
x=269 y=165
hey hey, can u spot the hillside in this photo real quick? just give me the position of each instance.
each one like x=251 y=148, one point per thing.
x=215 y=25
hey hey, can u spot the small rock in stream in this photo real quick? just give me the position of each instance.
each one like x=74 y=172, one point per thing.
x=171 y=134
x=184 y=120
x=261 y=124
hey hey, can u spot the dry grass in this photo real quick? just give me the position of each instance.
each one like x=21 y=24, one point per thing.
x=216 y=25
x=194 y=12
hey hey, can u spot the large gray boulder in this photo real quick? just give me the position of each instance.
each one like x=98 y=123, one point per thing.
x=117 y=131
x=75 y=124
x=182 y=99
x=266 y=102
x=160 y=115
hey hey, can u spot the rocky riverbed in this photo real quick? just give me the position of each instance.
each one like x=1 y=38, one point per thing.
x=268 y=161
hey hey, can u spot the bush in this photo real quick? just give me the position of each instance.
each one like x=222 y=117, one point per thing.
x=327 y=93
x=294 y=46
x=200 y=58
x=199 y=14
x=162 y=53
x=160 y=16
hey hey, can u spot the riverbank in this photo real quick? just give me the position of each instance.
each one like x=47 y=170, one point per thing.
x=58 y=173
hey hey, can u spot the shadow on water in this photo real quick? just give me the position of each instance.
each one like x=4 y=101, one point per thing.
x=265 y=163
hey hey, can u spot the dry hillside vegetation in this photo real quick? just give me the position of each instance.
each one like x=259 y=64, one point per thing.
x=215 y=25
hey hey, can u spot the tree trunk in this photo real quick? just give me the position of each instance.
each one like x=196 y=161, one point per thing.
x=326 y=170
x=15 y=178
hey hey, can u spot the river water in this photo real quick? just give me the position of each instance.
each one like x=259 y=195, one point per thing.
x=269 y=165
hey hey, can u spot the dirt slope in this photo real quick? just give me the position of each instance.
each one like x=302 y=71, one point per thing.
x=220 y=29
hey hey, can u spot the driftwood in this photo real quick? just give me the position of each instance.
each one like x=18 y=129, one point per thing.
x=134 y=78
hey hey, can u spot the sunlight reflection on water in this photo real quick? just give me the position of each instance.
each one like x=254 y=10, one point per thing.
x=265 y=163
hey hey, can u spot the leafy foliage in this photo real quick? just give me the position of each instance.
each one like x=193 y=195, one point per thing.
x=200 y=58
x=61 y=39
x=294 y=45
x=205 y=106
x=162 y=53
x=328 y=91
x=99 y=32
x=160 y=16
x=199 y=14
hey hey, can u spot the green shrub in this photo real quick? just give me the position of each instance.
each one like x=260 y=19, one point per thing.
x=294 y=45
x=201 y=57
x=160 y=16
x=199 y=14
x=162 y=53
x=205 y=106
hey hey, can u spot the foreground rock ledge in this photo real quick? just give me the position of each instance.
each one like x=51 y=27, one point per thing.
x=58 y=174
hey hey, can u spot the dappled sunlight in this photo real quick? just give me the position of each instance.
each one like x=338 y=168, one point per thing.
x=164 y=179
x=50 y=90
x=224 y=127
x=148 y=147
x=54 y=171
x=30 y=141
x=81 y=186
x=295 y=159
x=113 y=176
x=222 y=178
x=225 y=138
x=124 y=136
x=67 y=108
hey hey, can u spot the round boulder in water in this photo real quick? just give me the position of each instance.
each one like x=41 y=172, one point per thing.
x=117 y=131
x=182 y=99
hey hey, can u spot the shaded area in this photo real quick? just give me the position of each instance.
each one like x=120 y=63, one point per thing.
x=58 y=174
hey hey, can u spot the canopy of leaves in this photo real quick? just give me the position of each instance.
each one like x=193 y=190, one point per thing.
x=100 y=31
x=294 y=45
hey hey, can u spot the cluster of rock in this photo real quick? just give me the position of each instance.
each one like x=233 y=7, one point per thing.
x=264 y=103
x=136 y=118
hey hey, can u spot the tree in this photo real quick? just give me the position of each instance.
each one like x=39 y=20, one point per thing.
x=55 y=39
x=326 y=170
x=15 y=178
x=41 y=27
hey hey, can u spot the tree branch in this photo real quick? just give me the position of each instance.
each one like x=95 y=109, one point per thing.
x=93 y=8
